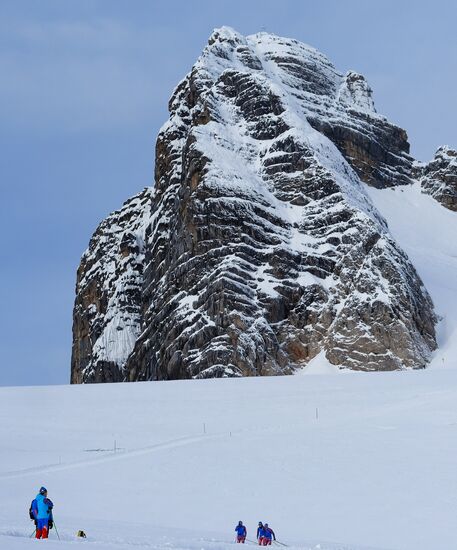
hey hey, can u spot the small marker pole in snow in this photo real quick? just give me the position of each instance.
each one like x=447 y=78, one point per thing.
x=115 y=447
x=204 y=428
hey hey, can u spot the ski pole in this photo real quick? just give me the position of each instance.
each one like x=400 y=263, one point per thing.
x=280 y=543
x=55 y=527
x=34 y=531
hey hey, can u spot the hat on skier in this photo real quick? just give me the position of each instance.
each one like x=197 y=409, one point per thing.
x=43 y=490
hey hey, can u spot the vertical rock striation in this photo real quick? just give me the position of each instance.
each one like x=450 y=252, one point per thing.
x=259 y=247
x=107 y=313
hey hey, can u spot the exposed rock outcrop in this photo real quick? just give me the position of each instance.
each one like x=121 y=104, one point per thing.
x=107 y=312
x=438 y=178
x=259 y=247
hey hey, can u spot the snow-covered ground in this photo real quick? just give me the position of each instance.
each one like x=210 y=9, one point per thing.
x=344 y=462
x=427 y=232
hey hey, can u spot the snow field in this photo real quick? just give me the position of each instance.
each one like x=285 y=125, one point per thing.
x=363 y=460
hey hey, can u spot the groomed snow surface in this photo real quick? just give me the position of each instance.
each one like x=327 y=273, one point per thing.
x=344 y=462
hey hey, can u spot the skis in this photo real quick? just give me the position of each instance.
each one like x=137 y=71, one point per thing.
x=274 y=541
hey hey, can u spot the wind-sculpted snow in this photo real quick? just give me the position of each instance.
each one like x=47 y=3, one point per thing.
x=262 y=248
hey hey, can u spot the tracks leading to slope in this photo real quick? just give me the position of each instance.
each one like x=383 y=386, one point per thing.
x=126 y=454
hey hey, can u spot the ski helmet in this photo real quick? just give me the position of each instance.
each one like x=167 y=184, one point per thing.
x=43 y=490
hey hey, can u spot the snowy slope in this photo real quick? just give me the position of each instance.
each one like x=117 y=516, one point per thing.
x=427 y=232
x=372 y=467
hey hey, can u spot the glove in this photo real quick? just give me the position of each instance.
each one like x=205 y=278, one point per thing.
x=50 y=524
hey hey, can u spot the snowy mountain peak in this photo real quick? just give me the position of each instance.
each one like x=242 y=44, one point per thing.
x=261 y=248
x=446 y=152
x=225 y=33
x=355 y=92
x=291 y=57
x=438 y=178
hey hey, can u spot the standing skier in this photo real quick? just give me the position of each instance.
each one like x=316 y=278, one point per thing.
x=41 y=510
x=268 y=534
x=241 y=532
x=260 y=533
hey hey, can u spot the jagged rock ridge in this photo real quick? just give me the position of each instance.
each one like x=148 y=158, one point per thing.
x=258 y=248
x=438 y=178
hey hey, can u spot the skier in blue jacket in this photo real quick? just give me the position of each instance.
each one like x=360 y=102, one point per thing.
x=259 y=533
x=267 y=534
x=241 y=532
x=41 y=510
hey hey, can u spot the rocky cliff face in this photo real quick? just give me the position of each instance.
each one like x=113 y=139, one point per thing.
x=438 y=178
x=258 y=248
x=108 y=306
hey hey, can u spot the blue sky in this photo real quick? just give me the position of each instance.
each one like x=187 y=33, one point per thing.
x=84 y=90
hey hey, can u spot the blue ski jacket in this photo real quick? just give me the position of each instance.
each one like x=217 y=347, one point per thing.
x=42 y=507
x=267 y=533
x=241 y=530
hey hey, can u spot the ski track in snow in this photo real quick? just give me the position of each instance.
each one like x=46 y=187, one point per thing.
x=375 y=469
x=119 y=455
